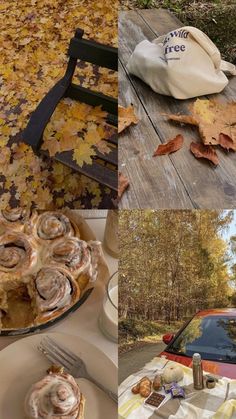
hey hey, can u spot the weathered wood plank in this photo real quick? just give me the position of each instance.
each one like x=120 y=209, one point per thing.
x=208 y=187
x=154 y=183
x=160 y=21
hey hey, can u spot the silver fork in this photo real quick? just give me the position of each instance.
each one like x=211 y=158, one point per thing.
x=74 y=365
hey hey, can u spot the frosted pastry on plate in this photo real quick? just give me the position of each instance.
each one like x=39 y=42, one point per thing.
x=55 y=396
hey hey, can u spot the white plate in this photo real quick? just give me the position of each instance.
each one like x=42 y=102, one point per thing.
x=21 y=365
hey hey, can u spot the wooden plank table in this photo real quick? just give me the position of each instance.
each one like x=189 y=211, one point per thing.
x=178 y=180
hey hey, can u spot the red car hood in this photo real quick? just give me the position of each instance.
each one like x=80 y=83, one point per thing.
x=218 y=368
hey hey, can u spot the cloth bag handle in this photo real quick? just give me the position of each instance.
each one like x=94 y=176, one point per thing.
x=228 y=67
x=207 y=44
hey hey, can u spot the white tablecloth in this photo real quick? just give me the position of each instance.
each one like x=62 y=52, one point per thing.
x=217 y=403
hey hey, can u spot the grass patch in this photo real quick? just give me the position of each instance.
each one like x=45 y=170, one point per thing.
x=131 y=330
x=129 y=346
x=214 y=17
x=135 y=333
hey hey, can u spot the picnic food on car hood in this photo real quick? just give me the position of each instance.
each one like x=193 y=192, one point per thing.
x=143 y=387
x=173 y=373
x=56 y=395
x=44 y=267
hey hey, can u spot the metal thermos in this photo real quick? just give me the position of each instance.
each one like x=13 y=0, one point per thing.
x=197 y=372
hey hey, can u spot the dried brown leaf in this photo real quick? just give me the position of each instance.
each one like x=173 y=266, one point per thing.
x=204 y=151
x=126 y=117
x=212 y=118
x=184 y=119
x=103 y=147
x=123 y=184
x=226 y=142
x=170 y=147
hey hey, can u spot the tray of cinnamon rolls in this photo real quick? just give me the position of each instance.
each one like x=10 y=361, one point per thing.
x=49 y=262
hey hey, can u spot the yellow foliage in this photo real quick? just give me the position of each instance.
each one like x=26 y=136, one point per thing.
x=202 y=108
x=83 y=154
x=77 y=127
x=34 y=39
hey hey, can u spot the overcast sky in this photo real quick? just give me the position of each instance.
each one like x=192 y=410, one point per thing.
x=232 y=229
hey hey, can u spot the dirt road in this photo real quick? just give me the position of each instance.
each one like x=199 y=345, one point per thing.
x=135 y=359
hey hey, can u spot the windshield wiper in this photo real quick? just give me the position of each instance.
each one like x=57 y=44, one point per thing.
x=225 y=361
x=176 y=353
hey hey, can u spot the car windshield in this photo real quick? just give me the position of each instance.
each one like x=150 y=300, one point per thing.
x=214 y=337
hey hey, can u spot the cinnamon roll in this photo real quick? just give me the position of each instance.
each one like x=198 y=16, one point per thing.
x=52 y=225
x=78 y=256
x=16 y=218
x=17 y=256
x=71 y=252
x=53 y=290
x=56 y=396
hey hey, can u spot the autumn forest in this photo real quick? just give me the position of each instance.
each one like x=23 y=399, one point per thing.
x=174 y=263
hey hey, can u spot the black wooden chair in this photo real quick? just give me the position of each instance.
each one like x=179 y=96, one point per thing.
x=104 y=167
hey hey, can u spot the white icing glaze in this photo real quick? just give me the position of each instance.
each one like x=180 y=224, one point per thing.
x=55 y=396
x=12 y=256
x=96 y=253
x=53 y=225
x=17 y=253
x=16 y=214
x=53 y=289
x=72 y=252
x=77 y=255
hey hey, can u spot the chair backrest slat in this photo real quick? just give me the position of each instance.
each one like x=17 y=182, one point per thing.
x=92 y=98
x=96 y=171
x=93 y=52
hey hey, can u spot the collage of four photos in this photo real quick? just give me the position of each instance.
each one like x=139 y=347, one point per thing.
x=118 y=209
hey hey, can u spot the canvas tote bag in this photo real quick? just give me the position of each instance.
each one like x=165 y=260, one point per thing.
x=184 y=63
